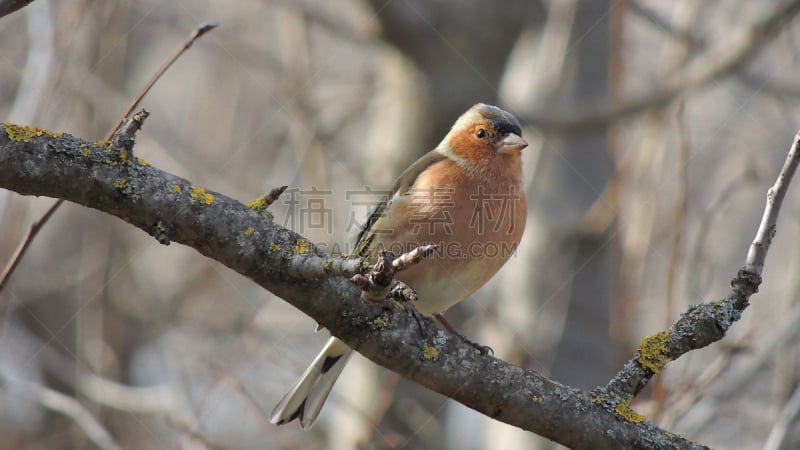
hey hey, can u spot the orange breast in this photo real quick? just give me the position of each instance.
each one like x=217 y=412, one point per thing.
x=476 y=219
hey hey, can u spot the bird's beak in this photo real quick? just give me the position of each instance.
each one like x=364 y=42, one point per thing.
x=511 y=143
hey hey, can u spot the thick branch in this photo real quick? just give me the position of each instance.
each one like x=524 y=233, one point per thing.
x=97 y=175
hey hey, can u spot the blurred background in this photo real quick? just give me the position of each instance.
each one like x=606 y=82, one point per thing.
x=655 y=127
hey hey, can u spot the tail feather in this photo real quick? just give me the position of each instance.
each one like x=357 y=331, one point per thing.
x=306 y=397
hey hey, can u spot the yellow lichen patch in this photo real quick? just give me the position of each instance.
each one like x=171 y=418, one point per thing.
x=111 y=162
x=328 y=264
x=23 y=133
x=258 y=205
x=120 y=184
x=136 y=196
x=142 y=162
x=275 y=247
x=625 y=411
x=537 y=399
x=301 y=247
x=653 y=351
x=86 y=151
x=175 y=188
x=161 y=226
x=107 y=144
x=123 y=156
x=379 y=323
x=249 y=231
x=429 y=351
x=199 y=194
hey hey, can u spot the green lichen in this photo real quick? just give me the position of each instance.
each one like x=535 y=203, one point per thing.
x=21 y=133
x=275 y=247
x=301 y=247
x=429 y=352
x=86 y=150
x=624 y=410
x=653 y=351
x=200 y=195
x=379 y=323
x=258 y=205
x=120 y=184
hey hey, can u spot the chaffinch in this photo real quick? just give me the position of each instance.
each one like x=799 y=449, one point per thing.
x=466 y=196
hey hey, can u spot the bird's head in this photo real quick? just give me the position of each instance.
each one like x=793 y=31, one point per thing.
x=481 y=135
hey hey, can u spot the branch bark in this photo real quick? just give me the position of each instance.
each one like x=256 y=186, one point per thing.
x=101 y=176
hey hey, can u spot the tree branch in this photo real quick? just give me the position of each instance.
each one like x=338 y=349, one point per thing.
x=726 y=56
x=101 y=176
x=707 y=323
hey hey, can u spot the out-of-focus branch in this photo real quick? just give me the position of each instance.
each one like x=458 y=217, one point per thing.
x=66 y=405
x=95 y=175
x=727 y=55
x=707 y=323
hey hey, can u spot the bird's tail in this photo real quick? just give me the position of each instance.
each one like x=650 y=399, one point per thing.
x=305 y=399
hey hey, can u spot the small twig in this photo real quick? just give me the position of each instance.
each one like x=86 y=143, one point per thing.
x=134 y=125
x=196 y=34
x=707 y=323
x=125 y=137
x=274 y=195
x=22 y=247
x=261 y=204
x=766 y=229
x=407 y=259
x=377 y=283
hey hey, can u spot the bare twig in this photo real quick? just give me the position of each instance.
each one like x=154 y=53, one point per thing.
x=125 y=137
x=376 y=284
x=23 y=245
x=135 y=124
x=707 y=323
x=196 y=34
x=261 y=204
x=766 y=230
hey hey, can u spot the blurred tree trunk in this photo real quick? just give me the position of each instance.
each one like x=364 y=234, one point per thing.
x=571 y=248
x=461 y=48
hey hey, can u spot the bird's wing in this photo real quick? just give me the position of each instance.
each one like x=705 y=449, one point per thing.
x=404 y=182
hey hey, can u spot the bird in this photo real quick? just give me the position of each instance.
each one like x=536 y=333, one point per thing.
x=466 y=196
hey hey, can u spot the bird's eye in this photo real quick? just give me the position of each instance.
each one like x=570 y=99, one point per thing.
x=481 y=133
